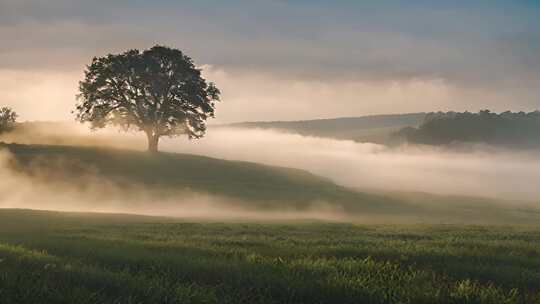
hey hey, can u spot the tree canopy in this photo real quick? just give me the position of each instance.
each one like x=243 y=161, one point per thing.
x=159 y=91
x=8 y=118
x=516 y=129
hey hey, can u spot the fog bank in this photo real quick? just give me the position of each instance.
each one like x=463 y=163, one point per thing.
x=42 y=189
x=471 y=170
x=474 y=170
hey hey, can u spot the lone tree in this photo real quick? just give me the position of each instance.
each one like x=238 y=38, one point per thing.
x=8 y=118
x=158 y=91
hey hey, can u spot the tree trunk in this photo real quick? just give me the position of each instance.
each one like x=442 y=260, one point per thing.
x=153 y=141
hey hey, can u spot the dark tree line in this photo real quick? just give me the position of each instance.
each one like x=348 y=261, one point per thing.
x=507 y=128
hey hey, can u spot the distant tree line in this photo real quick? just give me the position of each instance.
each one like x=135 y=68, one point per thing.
x=507 y=128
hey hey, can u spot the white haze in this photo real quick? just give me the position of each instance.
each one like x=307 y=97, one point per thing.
x=479 y=171
x=44 y=192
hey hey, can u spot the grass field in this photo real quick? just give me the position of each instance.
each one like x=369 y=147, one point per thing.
x=51 y=257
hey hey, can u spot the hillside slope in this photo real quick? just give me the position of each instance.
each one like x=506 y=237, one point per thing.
x=166 y=175
x=131 y=178
x=375 y=128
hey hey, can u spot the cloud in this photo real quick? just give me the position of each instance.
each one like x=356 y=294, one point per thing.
x=39 y=95
x=252 y=95
x=469 y=55
x=261 y=96
x=455 y=42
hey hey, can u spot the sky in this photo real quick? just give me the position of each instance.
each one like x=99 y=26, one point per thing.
x=286 y=60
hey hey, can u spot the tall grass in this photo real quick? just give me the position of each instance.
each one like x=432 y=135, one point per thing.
x=83 y=258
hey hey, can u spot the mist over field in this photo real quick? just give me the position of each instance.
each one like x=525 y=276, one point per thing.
x=88 y=192
x=58 y=181
x=263 y=152
x=476 y=170
x=467 y=170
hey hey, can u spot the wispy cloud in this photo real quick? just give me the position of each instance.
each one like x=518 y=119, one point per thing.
x=489 y=48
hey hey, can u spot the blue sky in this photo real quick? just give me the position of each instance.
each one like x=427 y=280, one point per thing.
x=288 y=59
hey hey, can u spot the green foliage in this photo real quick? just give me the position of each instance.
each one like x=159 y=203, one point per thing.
x=8 y=118
x=49 y=257
x=158 y=91
x=508 y=129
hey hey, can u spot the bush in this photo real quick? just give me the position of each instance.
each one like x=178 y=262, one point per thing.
x=8 y=118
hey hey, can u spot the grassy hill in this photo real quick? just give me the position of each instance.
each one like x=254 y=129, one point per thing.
x=142 y=178
x=375 y=128
x=165 y=175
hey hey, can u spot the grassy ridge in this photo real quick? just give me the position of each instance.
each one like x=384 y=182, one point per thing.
x=251 y=184
x=243 y=184
x=49 y=257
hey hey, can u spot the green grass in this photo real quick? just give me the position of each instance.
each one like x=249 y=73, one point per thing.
x=51 y=257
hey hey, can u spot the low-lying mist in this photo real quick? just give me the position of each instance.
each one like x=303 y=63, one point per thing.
x=465 y=170
x=468 y=170
x=42 y=189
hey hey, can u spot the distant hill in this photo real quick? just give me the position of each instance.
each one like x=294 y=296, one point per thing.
x=139 y=178
x=375 y=128
x=509 y=129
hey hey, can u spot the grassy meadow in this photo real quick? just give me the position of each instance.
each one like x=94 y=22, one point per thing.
x=53 y=257
x=404 y=247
